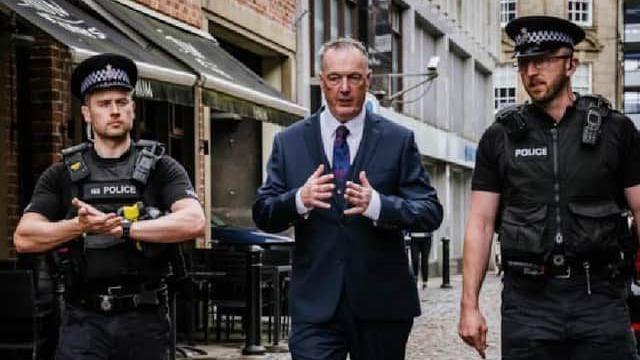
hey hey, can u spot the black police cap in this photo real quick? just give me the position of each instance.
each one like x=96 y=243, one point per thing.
x=103 y=71
x=539 y=35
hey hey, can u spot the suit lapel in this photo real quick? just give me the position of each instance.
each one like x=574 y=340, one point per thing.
x=368 y=145
x=313 y=140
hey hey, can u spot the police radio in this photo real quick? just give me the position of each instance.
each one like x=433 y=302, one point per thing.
x=591 y=128
x=150 y=153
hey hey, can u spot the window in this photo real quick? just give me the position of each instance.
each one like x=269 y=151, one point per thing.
x=631 y=102
x=331 y=19
x=385 y=49
x=349 y=13
x=457 y=90
x=631 y=65
x=318 y=32
x=481 y=111
x=396 y=47
x=504 y=86
x=507 y=11
x=580 y=11
x=582 y=79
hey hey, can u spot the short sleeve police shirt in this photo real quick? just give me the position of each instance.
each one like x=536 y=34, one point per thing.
x=52 y=194
x=490 y=166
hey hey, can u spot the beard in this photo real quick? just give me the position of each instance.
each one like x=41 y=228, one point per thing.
x=554 y=88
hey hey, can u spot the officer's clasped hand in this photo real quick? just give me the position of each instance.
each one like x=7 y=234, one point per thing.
x=317 y=190
x=92 y=220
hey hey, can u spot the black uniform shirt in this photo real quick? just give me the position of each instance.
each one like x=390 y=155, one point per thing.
x=490 y=166
x=52 y=194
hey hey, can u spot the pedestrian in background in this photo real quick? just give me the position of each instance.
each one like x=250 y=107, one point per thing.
x=349 y=181
x=554 y=177
x=420 y=249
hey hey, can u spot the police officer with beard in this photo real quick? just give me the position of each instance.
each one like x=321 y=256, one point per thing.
x=555 y=178
x=109 y=214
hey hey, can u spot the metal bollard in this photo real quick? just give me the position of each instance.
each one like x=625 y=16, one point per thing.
x=446 y=284
x=254 y=302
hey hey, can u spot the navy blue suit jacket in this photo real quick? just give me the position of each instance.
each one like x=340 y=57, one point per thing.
x=335 y=252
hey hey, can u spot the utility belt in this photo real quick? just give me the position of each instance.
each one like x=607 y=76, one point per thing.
x=562 y=267
x=120 y=298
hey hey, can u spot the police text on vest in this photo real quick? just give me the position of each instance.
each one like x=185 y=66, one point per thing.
x=530 y=152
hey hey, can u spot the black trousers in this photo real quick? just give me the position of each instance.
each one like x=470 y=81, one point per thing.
x=420 y=250
x=134 y=335
x=556 y=319
x=344 y=333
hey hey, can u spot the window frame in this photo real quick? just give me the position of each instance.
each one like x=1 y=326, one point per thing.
x=395 y=15
x=506 y=13
x=502 y=71
x=572 y=13
x=589 y=78
x=630 y=97
x=326 y=35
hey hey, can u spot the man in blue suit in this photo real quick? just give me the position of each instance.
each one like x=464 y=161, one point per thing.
x=349 y=181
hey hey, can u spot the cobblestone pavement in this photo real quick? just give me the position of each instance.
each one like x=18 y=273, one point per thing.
x=435 y=332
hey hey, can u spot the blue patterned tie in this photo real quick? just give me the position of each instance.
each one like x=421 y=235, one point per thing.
x=341 y=156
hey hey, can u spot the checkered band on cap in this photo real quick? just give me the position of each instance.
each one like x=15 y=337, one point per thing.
x=542 y=36
x=107 y=75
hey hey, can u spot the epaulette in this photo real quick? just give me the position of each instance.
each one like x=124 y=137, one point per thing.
x=513 y=119
x=149 y=152
x=74 y=161
x=593 y=101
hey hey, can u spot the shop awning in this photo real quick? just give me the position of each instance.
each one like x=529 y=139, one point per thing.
x=229 y=85
x=164 y=78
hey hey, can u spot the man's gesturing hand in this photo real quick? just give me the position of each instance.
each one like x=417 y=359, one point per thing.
x=317 y=190
x=358 y=195
x=95 y=221
x=473 y=329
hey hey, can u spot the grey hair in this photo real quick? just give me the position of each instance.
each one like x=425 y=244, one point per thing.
x=342 y=43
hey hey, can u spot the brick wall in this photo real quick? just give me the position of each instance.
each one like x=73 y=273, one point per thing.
x=281 y=11
x=189 y=11
x=48 y=111
x=10 y=142
x=50 y=99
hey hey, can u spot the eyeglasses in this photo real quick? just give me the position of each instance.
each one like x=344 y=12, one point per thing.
x=539 y=62
x=353 y=79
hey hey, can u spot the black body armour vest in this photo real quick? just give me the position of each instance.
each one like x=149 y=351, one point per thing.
x=562 y=192
x=109 y=186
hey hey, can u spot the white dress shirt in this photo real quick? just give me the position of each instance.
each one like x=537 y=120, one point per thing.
x=328 y=126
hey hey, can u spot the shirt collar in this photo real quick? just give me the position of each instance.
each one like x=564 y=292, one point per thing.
x=354 y=125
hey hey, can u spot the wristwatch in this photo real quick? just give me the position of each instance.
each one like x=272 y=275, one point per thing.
x=126 y=229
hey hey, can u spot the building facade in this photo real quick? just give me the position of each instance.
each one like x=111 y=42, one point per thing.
x=631 y=45
x=600 y=53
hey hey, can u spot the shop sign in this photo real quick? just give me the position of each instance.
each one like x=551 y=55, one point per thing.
x=56 y=14
x=188 y=48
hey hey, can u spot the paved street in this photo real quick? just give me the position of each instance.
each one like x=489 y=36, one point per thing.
x=435 y=334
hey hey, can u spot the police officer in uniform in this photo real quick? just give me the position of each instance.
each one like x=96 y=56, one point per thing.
x=555 y=178
x=110 y=214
